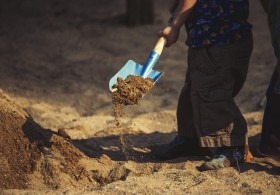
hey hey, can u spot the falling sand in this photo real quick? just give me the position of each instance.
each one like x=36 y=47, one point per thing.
x=128 y=92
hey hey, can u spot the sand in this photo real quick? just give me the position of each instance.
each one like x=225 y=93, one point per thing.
x=56 y=60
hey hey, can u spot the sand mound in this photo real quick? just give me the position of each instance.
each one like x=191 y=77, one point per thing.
x=36 y=158
x=26 y=148
x=18 y=153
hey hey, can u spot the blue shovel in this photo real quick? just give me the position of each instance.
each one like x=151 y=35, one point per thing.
x=146 y=71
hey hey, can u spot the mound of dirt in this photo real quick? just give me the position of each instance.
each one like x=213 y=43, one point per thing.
x=35 y=158
x=18 y=152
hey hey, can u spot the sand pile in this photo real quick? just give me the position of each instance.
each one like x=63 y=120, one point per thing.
x=29 y=151
x=18 y=152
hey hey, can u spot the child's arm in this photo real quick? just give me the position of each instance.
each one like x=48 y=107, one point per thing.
x=171 y=33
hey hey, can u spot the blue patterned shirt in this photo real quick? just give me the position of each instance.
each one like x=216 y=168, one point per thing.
x=215 y=22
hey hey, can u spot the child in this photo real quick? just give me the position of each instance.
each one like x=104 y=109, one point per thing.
x=220 y=45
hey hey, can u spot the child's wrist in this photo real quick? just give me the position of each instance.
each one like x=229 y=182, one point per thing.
x=174 y=26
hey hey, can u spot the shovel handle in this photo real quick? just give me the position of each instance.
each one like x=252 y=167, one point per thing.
x=160 y=45
x=154 y=56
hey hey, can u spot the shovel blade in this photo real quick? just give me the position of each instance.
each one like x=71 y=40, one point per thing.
x=132 y=68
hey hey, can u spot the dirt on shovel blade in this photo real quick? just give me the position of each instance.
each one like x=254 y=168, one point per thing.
x=130 y=91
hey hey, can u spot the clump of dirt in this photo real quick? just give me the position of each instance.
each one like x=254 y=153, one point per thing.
x=129 y=91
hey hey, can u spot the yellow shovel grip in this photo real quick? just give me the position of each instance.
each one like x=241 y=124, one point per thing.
x=160 y=45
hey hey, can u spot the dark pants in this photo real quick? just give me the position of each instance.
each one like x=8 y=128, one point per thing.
x=270 y=136
x=206 y=108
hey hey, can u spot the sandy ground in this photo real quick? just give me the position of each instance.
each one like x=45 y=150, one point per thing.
x=56 y=59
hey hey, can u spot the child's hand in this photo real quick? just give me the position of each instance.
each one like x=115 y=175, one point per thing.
x=172 y=31
x=171 y=34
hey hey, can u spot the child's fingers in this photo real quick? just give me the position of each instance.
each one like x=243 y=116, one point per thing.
x=161 y=34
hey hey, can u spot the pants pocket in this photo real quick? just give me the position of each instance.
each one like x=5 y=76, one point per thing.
x=208 y=65
x=217 y=117
x=200 y=61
